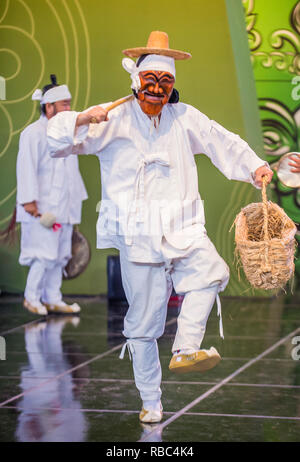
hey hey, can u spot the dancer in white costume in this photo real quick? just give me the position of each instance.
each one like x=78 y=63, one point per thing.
x=47 y=186
x=152 y=212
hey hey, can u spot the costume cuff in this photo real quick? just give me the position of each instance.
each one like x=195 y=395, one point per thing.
x=254 y=167
x=60 y=133
x=26 y=199
x=80 y=133
x=26 y=195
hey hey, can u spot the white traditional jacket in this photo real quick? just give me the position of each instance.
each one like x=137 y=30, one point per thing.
x=56 y=184
x=149 y=175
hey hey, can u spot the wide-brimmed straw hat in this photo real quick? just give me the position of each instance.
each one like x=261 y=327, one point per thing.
x=158 y=44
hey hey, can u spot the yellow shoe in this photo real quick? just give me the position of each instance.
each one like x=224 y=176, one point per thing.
x=200 y=361
x=151 y=415
x=62 y=307
x=36 y=308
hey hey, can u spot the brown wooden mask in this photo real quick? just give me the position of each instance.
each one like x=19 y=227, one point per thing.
x=156 y=89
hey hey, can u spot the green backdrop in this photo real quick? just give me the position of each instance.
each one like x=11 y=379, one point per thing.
x=81 y=41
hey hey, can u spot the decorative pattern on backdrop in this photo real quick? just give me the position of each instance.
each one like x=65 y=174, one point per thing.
x=274 y=41
x=27 y=62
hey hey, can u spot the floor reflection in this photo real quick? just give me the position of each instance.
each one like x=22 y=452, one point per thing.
x=154 y=429
x=98 y=401
x=51 y=413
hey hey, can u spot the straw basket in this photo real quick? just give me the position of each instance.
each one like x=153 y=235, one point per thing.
x=265 y=242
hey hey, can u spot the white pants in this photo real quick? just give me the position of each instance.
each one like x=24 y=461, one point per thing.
x=47 y=253
x=198 y=273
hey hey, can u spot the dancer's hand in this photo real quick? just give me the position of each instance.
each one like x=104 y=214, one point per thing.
x=95 y=115
x=260 y=173
x=31 y=207
x=295 y=157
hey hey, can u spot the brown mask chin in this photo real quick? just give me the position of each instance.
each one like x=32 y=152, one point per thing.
x=156 y=89
x=151 y=105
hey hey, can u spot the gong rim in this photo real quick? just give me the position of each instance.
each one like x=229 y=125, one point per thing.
x=73 y=268
x=288 y=178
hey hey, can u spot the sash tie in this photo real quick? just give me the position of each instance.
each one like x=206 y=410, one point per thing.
x=130 y=349
x=220 y=317
x=136 y=212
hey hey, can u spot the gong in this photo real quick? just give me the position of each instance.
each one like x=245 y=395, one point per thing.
x=81 y=256
x=288 y=178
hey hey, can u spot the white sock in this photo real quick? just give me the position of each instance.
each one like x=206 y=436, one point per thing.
x=154 y=405
x=184 y=351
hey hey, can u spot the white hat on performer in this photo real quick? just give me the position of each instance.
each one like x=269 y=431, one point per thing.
x=160 y=57
x=59 y=93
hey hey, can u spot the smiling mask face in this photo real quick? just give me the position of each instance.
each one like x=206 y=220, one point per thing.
x=156 y=89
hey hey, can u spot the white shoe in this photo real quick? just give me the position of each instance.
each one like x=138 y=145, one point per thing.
x=62 y=307
x=35 y=307
x=151 y=415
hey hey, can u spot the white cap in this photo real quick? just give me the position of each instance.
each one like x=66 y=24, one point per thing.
x=58 y=93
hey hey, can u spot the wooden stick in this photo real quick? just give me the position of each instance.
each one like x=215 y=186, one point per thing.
x=115 y=104
x=119 y=101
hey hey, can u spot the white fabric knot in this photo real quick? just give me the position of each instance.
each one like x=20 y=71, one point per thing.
x=130 y=67
x=37 y=95
x=130 y=349
x=161 y=158
x=136 y=212
x=220 y=316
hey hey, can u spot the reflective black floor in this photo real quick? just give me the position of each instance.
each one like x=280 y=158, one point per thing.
x=62 y=379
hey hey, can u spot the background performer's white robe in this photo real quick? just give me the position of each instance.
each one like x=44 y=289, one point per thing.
x=57 y=187
x=56 y=184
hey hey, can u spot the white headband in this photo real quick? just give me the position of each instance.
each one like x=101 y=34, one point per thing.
x=150 y=63
x=51 y=96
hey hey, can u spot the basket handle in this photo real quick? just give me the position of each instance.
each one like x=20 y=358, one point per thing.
x=265 y=207
x=266 y=267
